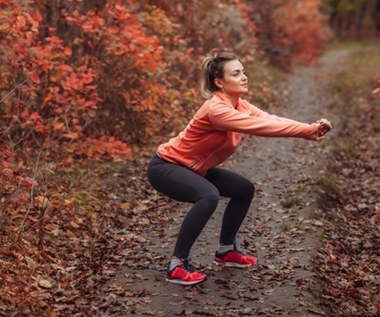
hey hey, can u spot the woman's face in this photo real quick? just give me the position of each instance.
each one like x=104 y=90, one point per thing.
x=234 y=82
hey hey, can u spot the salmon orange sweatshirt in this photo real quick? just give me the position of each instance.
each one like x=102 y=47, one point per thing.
x=214 y=133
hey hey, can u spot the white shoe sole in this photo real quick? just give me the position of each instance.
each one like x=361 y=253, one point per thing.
x=179 y=282
x=233 y=264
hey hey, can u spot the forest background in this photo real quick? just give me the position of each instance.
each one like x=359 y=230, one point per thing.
x=96 y=83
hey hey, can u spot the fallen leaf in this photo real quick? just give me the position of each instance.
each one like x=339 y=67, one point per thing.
x=44 y=283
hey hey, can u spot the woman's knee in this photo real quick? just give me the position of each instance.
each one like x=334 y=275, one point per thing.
x=248 y=188
x=210 y=197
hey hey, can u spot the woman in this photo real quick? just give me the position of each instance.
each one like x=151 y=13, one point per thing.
x=185 y=168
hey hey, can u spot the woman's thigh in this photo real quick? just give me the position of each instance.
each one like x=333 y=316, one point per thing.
x=230 y=184
x=179 y=183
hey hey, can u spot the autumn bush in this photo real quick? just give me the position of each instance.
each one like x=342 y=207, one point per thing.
x=100 y=78
x=291 y=31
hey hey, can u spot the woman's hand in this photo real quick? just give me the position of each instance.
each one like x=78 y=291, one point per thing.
x=323 y=126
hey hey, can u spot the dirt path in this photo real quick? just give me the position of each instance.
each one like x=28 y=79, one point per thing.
x=283 y=238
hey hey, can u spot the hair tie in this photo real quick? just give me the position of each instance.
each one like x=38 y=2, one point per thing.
x=214 y=52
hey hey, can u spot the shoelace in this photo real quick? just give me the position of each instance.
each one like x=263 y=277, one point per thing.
x=233 y=250
x=236 y=249
x=188 y=267
x=238 y=252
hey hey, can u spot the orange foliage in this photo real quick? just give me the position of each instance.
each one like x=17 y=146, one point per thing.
x=292 y=30
x=60 y=85
x=306 y=33
x=73 y=73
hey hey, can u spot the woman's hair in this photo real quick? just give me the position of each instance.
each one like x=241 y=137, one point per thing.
x=212 y=68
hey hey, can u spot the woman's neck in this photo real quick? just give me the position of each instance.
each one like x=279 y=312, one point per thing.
x=234 y=99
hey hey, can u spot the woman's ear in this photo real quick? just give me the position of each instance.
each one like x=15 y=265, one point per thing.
x=218 y=83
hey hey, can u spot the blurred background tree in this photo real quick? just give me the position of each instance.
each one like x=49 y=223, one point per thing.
x=356 y=19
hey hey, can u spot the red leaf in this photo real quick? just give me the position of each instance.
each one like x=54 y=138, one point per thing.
x=72 y=135
x=35 y=78
x=68 y=51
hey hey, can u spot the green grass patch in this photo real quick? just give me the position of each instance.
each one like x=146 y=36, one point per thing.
x=291 y=202
x=319 y=233
x=329 y=183
x=376 y=127
x=286 y=226
x=345 y=145
x=83 y=198
x=341 y=45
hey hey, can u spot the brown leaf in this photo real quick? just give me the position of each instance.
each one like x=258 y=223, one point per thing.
x=44 y=283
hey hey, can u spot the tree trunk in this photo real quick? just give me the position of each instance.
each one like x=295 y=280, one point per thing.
x=376 y=17
x=334 y=13
x=360 y=18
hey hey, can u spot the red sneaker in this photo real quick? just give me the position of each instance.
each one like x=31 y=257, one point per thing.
x=185 y=274
x=234 y=258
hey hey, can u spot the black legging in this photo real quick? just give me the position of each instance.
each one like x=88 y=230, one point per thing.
x=182 y=184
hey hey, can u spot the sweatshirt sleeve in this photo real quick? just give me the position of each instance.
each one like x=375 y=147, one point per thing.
x=262 y=114
x=258 y=122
